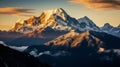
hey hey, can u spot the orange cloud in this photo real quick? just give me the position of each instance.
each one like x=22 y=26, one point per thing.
x=99 y=4
x=16 y=11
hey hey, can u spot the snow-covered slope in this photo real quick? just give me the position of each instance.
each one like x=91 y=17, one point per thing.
x=25 y=26
x=58 y=20
x=118 y=26
x=111 y=30
x=107 y=27
x=87 y=24
x=55 y=18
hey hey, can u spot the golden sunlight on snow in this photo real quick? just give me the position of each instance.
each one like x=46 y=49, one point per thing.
x=101 y=49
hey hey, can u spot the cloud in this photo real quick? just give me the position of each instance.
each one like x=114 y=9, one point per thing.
x=99 y=4
x=17 y=11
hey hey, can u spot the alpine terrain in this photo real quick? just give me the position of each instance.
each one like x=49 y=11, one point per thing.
x=59 y=40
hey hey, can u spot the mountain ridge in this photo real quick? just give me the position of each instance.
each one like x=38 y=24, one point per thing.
x=58 y=19
x=12 y=58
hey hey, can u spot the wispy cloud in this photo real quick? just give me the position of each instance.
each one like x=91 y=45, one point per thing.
x=15 y=11
x=99 y=4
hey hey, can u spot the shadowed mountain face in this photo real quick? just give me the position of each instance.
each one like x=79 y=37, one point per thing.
x=107 y=26
x=8 y=36
x=80 y=56
x=80 y=50
x=94 y=49
x=13 y=58
x=87 y=24
x=110 y=40
x=111 y=30
x=37 y=37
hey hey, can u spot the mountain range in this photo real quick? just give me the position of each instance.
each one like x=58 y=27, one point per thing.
x=55 y=37
x=12 y=58
x=52 y=24
x=111 y=30
x=58 y=19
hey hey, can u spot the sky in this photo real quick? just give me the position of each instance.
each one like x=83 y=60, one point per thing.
x=99 y=11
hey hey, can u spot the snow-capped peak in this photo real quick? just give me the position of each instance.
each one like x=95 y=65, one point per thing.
x=87 y=24
x=87 y=21
x=58 y=11
x=32 y=17
x=85 y=17
x=107 y=26
x=118 y=26
x=16 y=26
x=55 y=18
x=20 y=21
x=111 y=29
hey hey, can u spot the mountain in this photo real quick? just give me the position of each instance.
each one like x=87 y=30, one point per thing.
x=49 y=25
x=52 y=24
x=60 y=56
x=37 y=37
x=87 y=24
x=111 y=30
x=63 y=41
x=74 y=39
x=12 y=58
x=57 y=19
x=118 y=26
x=53 y=18
x=88 y=38
x=110 y=41
x=17 y=25
x=107 y=27
x=8 y=36
x=79 y=49
x=25 y=26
